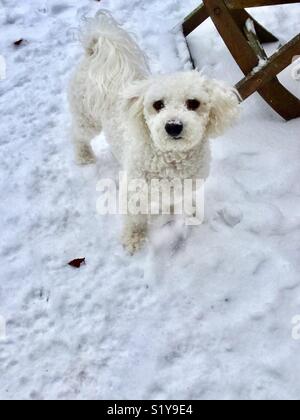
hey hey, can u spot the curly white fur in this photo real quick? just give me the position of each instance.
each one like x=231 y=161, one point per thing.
x=113 y=90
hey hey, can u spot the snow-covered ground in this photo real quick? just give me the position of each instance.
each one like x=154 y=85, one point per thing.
x=208 y=317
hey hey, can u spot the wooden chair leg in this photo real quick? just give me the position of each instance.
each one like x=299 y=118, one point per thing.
x=242 y=4
x=195 y=19
x=281 y=100
x=277 y=96
x=276 y=64
x=200 y=15
x=241 y=17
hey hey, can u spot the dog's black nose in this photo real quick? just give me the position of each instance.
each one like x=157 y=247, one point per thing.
x=174 y=128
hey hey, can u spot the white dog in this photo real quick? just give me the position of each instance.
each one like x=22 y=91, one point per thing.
x=159 y=127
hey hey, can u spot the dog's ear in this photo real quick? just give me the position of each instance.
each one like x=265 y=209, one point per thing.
x=225 y=102
x=133 y=97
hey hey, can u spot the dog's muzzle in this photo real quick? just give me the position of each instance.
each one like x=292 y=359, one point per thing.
x=174 y=129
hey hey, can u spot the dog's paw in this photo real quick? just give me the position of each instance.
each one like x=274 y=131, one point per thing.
x=134 y=241
x=83 y=162
x=85 y=156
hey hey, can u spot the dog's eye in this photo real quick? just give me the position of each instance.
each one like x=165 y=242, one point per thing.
x=158 y=105
x=193 y=104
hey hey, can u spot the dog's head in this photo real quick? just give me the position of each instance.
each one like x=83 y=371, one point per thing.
x=182 y=110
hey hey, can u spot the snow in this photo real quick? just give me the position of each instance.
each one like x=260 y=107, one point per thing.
x=203 y=313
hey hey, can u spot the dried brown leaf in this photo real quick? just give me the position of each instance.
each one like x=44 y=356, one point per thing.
x=77 y=263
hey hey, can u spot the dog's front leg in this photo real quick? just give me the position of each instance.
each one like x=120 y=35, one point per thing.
x=135 y=233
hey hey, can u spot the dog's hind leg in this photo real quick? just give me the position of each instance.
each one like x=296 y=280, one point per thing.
x=82 y=134
x=134 y=233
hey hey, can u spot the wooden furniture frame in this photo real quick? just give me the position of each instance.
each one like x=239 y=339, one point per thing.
x=230 y=19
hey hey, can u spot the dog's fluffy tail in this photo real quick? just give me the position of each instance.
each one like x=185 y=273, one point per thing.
x=114 y=57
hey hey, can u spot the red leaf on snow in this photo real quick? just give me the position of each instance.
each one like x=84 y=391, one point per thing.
x=77 y=263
